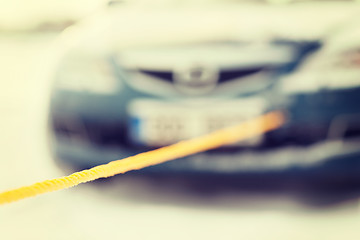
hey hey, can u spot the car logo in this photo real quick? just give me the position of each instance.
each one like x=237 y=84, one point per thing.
x=196 y=78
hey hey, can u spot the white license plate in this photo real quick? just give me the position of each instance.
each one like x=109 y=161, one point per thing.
x=158 y=123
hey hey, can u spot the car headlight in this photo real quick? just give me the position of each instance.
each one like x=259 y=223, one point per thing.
x=86 y=74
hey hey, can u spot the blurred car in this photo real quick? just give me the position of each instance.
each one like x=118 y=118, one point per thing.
x=110 y=102
x=183 y=79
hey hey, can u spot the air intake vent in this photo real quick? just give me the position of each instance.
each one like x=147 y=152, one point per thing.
x=226 y=75
x=164 y=75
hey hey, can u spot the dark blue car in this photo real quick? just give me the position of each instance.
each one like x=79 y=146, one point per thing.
x=109 y=103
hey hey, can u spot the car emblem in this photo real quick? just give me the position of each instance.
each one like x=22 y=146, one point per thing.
x=196 y=78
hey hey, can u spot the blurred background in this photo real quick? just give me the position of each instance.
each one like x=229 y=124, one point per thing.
x=87 y=82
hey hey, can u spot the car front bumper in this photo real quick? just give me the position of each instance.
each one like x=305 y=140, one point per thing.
x=330 y=160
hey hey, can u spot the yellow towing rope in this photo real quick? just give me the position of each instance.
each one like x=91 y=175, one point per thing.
x=251 y=128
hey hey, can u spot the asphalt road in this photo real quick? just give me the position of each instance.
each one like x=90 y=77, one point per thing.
x=131 y=207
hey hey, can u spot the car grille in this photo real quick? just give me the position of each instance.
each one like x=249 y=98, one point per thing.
x=224 y=75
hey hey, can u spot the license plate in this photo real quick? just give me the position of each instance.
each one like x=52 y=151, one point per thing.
x=158 y=123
